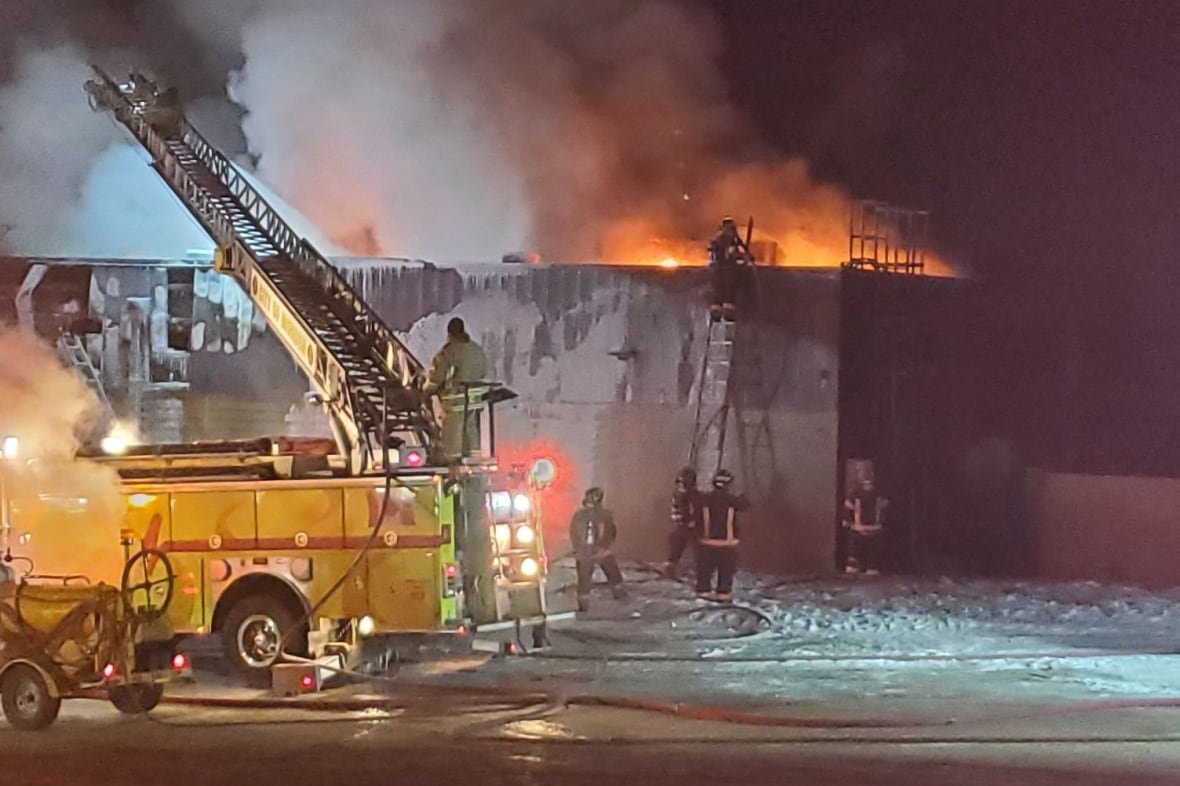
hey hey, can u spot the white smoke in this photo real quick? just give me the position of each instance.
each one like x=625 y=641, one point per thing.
x=350 y=124
x=30 y=376
x=460 y=131
x=49 y=141
x=443 y=130
x=65 y=514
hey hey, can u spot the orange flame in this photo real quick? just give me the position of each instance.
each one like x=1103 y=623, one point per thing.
x=798 y=223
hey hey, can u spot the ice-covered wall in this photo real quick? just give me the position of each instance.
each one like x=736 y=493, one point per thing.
x=605 y=360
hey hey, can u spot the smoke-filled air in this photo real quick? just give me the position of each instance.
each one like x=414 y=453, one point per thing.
x=448 y=131
x=43 y=486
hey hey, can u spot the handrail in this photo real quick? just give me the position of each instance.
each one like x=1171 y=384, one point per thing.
x=270 y=237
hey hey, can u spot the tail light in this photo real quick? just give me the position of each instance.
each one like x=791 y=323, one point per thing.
x=180 y=662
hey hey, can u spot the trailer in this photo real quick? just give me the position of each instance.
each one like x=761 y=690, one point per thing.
x=63 y=637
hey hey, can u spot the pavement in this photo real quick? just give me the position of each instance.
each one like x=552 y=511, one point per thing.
x=634 y=699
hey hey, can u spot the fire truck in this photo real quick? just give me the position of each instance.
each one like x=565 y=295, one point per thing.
x=401 y=524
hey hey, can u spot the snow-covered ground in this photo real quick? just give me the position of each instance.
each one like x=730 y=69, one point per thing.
x=889 y=637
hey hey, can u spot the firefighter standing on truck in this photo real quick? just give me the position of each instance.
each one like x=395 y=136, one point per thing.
x=460 y=363
x=592 y=535
x=685 y=519
x=717 y=549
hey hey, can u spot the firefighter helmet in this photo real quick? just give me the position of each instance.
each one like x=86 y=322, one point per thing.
x=723 y=478
x=592 y=497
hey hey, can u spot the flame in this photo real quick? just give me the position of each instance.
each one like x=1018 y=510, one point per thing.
x=798 y=222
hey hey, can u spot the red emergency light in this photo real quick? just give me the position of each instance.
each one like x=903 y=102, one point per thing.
x=180 y=662
x=414 y=458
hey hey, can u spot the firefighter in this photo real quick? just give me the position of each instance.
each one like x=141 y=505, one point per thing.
x=459 y=364
x=717 y=548
x=729 y=260
x=864 y=521
x=592 y=536
x=143 y=90
x=685 y=515
x=165 y=114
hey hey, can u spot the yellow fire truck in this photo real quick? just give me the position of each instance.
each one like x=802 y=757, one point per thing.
x=401 y=524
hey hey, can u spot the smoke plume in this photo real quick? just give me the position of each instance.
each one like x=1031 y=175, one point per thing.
x=456 y=131
x=30 y=376
x=65 y=514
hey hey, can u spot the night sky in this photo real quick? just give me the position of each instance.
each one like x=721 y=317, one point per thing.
x=1042 y=134
x=1045 y=138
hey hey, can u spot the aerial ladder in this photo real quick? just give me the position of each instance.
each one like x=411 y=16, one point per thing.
x=362 y=374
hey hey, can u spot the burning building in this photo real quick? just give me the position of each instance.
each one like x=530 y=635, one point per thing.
x=607 y=361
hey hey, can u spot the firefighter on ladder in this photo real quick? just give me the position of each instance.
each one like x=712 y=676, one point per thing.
x=730 y=261
x=717 y=549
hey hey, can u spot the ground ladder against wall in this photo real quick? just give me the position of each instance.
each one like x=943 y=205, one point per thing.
x=353 y=360
x=72 y=351
x=731 y=428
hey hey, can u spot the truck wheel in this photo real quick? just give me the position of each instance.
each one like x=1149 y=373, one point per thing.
x=137 y=698
x=253 y=633
x=25 y=697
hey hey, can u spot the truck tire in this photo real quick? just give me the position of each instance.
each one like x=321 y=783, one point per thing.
x=136 y=698
x=254 y=628
x=25 y=697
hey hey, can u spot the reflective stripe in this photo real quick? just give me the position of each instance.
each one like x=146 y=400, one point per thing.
x=730 y=538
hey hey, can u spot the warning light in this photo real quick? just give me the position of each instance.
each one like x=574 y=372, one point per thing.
x=543 y=471
x=307 y=681
x=415 y=458
x=108 y=671
x=451 y=571
x=180 y=662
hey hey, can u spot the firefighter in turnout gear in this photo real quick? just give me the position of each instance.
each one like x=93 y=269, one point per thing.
x=460 y=364
x=730 y=262
x=864 y=519
x=592 y=535
x=717 y=549
x=685 y=519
